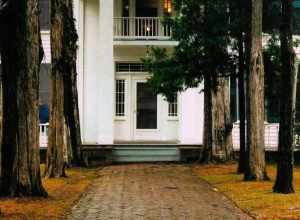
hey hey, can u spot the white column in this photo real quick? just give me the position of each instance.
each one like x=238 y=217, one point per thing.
x=79 y=18
x=106 y=73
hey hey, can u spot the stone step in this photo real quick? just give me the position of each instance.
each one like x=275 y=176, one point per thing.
x=145 y=154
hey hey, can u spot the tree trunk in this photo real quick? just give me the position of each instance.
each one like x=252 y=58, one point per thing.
x=285 y=164
x=221 y=120
x=55 y=160
x=71 y=104
x=242 y=110
x=64 y=111
x=208 y=125
x=256 y=168
x=21 y=57
x=217 y=138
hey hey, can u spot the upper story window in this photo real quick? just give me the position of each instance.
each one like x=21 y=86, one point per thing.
x=44 y=14
x=167 y=7
x=146 y=8
x=296 y=5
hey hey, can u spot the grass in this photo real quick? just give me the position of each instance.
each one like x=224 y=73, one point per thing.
x=63 y=193
x=256 y=198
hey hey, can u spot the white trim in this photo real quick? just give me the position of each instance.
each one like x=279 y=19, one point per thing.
x=165 y=43
x=45 y=31
x=81 y=61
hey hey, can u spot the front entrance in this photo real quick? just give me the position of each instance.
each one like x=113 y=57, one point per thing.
x=141 y=116
x=145 y=111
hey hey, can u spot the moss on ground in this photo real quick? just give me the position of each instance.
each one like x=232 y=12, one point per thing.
x=63 y=193
x=256 y=198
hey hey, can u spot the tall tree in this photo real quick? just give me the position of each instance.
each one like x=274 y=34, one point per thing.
x=70 y=82
x=256 y=167
x=284 y=178
x=242 y=103
x=64 y=128
x=222 y=124
x=200 y=55
x=237 y=28
x=21 y=56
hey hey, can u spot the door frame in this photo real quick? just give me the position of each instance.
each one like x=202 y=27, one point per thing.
x=148 y=134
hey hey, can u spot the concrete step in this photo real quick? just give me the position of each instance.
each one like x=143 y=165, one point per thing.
x=145 y=154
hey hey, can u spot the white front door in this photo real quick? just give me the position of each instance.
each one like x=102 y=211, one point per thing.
x=145 y=111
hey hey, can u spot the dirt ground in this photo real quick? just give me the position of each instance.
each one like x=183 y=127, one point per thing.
x=153 y=191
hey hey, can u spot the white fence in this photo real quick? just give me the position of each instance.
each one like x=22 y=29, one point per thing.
x=271 y=136
x=141 y=28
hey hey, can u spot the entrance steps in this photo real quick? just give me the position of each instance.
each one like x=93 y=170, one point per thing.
x=145 y=154
x=139 y=153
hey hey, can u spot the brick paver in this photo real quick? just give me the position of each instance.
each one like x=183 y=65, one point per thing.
x=150 y=191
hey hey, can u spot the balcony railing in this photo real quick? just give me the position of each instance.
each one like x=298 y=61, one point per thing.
x=141 y=28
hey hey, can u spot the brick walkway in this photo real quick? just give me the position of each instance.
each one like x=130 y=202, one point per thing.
x=150 y=191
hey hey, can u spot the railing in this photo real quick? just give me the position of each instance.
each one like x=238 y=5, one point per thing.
x=44 y=135
x=141 y=28
x=271 y=136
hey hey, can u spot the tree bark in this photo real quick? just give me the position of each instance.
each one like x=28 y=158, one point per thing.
x=64 y=113
x=208 y=118
x=221 y=120
x=55 y=160
x=242 y=106
x=256 y=167
x=70 y=82
x=285 y=164
x=217 y=139
x=21 y=57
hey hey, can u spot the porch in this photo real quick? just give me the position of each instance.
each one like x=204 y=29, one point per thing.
x=141 y=28
x=155 y=151
x=142 y=20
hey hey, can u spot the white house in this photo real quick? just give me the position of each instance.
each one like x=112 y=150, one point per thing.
x=116 y=106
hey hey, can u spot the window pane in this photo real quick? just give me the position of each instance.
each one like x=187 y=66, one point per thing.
x=146 y=107
x=120 y=97
x=173 y=107
x=130 y=67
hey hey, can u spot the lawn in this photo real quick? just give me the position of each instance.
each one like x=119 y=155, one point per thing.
x=63 y=193
x=256 y=198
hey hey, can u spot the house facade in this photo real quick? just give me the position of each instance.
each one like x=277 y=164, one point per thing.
x=116 y=105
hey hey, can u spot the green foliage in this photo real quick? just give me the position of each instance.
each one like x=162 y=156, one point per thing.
x=168 y=72
x=202 y=29
x=272 y=64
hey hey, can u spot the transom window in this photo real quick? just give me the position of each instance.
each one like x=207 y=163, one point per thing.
x=173 y=107
x=120 y=97
x=130 y=67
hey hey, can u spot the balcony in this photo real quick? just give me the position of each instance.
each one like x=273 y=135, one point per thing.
x=141 y=28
